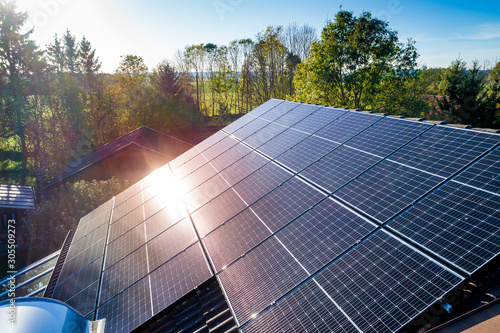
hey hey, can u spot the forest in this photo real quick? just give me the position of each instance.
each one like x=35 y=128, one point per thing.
x=56 y=104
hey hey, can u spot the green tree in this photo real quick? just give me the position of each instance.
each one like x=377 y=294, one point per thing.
x=347 y=65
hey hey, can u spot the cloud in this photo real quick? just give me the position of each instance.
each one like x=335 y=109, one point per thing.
x=483 y=31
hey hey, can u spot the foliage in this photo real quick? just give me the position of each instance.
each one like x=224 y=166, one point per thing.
x=55 y=216
x=354 y=59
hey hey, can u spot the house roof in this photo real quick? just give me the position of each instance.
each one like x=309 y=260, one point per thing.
x=16 y=197
x=142 y=138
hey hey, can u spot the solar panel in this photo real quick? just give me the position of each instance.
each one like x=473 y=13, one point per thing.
x=306 y=153
x=231 y=156
x=169 y=243
x=239 y=235
x=217 y=211
x=307 y=309
x=484 y=174
x=286 y=202
x=445 y=150
x=129 y=309
x=154 y=205
x=125 y=244
x=126 y=223
x=260 y=278
x=243 y=168
x=279 y=110
x=324 y=233
x=383 y=284
x=123 y=274
x=388 y=188
x=219 y=148
x=86 y=228
x=318 y=120
x=198 y=177
x=261 y=109
x=250 y=128
x=459 y=223
x=282 y=142
x=195 y=163
x=347 y=126
x=84 y=301
x=81 y=280
x=126 y=207
x=296 y=114
x=205 y=192
x=178 y=276
x=264 y=135
x=164 y=219
x=127 y=194
x=339 y=167
x=387 y=135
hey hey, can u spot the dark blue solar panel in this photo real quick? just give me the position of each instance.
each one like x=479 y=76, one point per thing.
x=484 y=174
x=178 y=276
x=347 y=126
x=306 y=153
x=286 y=202
x=194 y=164
x=243 y=167
x=84 y=301
x=122 y=274
x=205 y=192
x=307 y=309
x=459 y=223
x=217 y=211
x=296 y=114
x=387 y=135
x=339 y=167
x=388 y=188
x=445 y=150
x=169 y=243
x=261 y=109
x=383 y=284
x=234 y=238
x=129 y=309
x=282 y=142
x=250 y=128
x=261 y=182
x=260 y=278
x=264 y=135
x=323 y=233
x=229 y=157
x=219 y=148
x=318 y=120
x=279 y=110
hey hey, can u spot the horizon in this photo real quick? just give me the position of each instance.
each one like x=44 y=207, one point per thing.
x=155 y=30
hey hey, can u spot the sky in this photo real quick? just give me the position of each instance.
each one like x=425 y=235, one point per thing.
x=155 y=29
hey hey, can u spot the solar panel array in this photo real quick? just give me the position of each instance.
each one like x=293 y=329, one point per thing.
x=311 y=218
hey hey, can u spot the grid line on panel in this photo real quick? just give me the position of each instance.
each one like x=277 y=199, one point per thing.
x=282 y=142
x=264 y=135
x=445 y=150
x=459 y=224
x=383 y=284
x=249 y=129
x=297 y=114
x=279 y=111
x=484 y=173
x=319 y=119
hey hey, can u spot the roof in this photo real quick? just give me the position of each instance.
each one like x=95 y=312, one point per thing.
x=142 y=138
x=309 y=218
x=16 y=197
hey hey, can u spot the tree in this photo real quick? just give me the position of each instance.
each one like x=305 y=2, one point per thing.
x=351 y=59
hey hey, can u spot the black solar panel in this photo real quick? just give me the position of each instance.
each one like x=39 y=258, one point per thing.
x=484 y=174
x=339 y=167
x=126 y=223
x=84 y=301
x=459 y=223
x=388 y=188
x=125 y=244
x=69 y=287
x=383 y=284
x=178 y=276
x=445 y=150
x=219 y=148
x=347 y=126
x=307 y=309
x=234 y=154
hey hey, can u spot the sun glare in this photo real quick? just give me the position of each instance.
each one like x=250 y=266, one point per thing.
x=171 y=191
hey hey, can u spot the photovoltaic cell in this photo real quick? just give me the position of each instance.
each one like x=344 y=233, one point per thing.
x=243 y=168
x=127 y=194
x=81 y=280
x=194 y=164
x=178 y=276
x=183 y=158
x=205 y=192
x=387 y=135
x=154 y=205
x=264 y=135
x=127 y=207
x=279 y=110
x=445 y=150
x=235 y=238
x=318 y=120
x=388 y=188
x=86 y=228
x=169 y=243
x=164 y=219
x=217 y=211
x=198 y=177
x=250 y=128
x=219 y=148
x=126 y=223
x=339 y=167
x=129 y=309
x=210 y=141
x=324 y=233
x=84 y=301
x=296 y=114
x=238 y=123
x=483 y=174
x=347 y=126
x=306 y=153
x=282 y=142
x=458 y=223
x=260 y=278
x=125 y=244
x=231 y=156
x=286 y=202
x=383 y=284
x=307 y=309
x=123 y=274
x=261 y=182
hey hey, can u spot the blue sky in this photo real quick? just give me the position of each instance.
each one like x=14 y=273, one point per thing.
x=155 y=29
